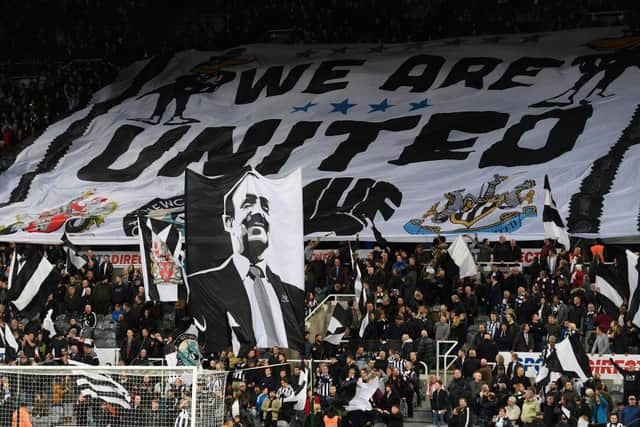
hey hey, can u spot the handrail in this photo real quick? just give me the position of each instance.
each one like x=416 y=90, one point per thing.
x=332 y=296
x=444 y=356
x=426 y=368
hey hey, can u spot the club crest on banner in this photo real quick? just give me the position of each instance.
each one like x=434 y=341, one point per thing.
x=170 y=210
x=468 y=212
x=187 y=349
x=78 y=215
x=163 y=266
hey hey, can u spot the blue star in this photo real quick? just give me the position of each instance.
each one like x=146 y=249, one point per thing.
x=380 y=107
x=304 y=108
x=342 y=107
x=419 y=105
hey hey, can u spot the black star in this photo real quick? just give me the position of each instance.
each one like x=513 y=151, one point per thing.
x=531 y=39
x=339 y=50
x=455 y=42
x=307 y=53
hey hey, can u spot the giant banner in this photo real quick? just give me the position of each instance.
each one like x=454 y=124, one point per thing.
x=449 y=137
x=245 y=262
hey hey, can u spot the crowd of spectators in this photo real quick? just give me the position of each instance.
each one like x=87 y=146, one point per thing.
x=414 y=300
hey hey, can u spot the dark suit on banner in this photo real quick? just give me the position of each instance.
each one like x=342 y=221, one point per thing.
x=237 y=302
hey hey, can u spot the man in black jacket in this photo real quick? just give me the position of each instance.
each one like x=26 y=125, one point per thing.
x=631 y=380
x=439 y=403
x=426 y=348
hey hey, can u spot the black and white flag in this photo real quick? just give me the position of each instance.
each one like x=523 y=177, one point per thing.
x=570 y=358
x=364 y=391
x=101 y=386
x=553 y=224
x=611 y=286
x=9 y=338
x=361 y=298
x=73 y=258
x=162 y=254
x=337 y=325
x=27 y=276
x=629 y=275
x=48 y=324
x=463 y=258
x=300 y=395
x=244 y=258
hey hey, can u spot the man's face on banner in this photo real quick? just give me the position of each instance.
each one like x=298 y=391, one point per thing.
x=248 y=224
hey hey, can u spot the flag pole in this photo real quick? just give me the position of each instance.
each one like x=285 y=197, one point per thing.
x=312 y=401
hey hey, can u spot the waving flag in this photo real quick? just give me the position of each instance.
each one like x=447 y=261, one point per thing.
x=553 y=224
x=162 y=250
x=461 y=255
x=337 y=325
x=72 y=253
x=28 y=275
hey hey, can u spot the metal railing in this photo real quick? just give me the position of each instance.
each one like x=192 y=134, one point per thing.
x=447 y=358
x=327 y=299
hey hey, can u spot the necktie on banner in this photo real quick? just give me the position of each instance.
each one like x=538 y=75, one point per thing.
x=553 y=225
x=235 y=223
x=262 y=296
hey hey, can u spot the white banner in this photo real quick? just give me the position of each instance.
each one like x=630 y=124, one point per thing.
x=416 y=139
x=600 y=364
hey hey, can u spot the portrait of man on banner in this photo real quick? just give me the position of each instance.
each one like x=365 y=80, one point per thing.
x=257 y=290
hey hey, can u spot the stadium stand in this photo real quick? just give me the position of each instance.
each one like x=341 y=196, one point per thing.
x=54 y=57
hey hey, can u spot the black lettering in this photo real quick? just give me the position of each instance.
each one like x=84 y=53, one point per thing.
x=256 y=136
x=433 y=142
x=98 y=169
x=361 y=135
x=275 y=160
x=327 y=72
x=467 y=70
x=323 y=211
x=248 y=91
x=213 y=140
x=523 y=67
x=561 y=139
x=418 y=83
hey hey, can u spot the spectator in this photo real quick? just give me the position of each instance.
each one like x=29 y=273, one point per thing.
x=502 y=251
x=530 y=409
x=597 y=252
